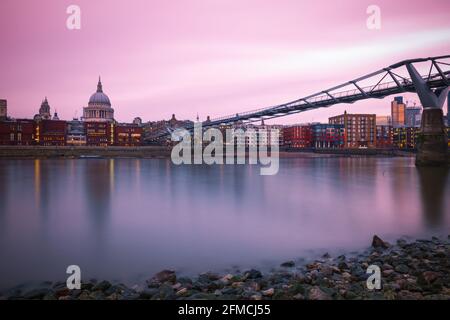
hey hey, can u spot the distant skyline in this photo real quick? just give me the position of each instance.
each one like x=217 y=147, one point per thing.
x=213 y=58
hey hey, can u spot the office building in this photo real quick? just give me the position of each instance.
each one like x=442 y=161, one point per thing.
x=413 y=116
x=398 y=109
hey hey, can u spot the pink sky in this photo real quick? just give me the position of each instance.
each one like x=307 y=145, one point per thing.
x=211 y=57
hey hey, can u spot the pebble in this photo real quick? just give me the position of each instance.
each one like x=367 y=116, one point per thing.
x=268 y=292
x=414 y=270
x=288 y=264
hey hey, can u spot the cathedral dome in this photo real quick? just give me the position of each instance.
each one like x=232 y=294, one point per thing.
x=99 y=98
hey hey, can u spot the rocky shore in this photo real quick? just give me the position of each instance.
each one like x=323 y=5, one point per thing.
x=409 y=270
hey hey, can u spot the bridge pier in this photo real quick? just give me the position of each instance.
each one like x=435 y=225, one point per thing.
x=432 y=141
x=432 y=145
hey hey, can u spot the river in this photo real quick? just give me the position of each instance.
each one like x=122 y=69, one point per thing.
x=125 y=219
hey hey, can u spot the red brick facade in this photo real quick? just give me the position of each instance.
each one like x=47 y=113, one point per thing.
x=99 y=134
x=297 y=136
x=127 y=135
x=17 y=132
x=51 y=132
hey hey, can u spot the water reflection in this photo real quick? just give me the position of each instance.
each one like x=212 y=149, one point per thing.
x=433 y=181
x=118 y=218
x=99 y=176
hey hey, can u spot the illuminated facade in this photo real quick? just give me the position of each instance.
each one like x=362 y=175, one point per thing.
x=398 y=109
x=384 y=136
x=298 y=136
x=76 y=133
x=50 y=132
x=128 y=135
x=99 y=134
x=405 y=137
x=330 y=136
x=360 y=129
x=17 y=132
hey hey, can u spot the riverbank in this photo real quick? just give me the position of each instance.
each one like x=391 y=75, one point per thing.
x=31 y=152
x=409 y=270
x=80 y=152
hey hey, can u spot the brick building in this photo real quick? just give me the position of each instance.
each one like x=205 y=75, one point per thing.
x=17 y=132
x=360 y=129
x=50 y=132
x=99 y=134
x=384 y=136
x=297 y=136
x=128 y=135
x=326 y=135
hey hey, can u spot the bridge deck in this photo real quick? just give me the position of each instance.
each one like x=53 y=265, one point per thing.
x=399 y=84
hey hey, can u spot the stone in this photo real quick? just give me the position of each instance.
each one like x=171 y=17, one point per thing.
x=87 y=285
x=238 y=284
x=401 y=243
x=184 y=280
x=408 y=295
x=226 y=278
x=288 y=264
x=387 y=272
x=350 y=295
x=255 y=286
x=116 y=296
x=49 y=296
x=256 y=297
x=62 y=292
x=162 y=277
x=85 y=296
x=182 y=292
x=315 y=293
x=165 y=276
x=346 y=275
x=176 y=286
x=253 y=274
x=430 y=276
x=147 y=293
x=401 y=268
x=102 y=286
x=299 y=296
x=268 y=292
x=386 y=266
x=37 y=293
x=378 y=243
x=326 y=270
x=166 y=292
x=208 y=276
x=97 y=295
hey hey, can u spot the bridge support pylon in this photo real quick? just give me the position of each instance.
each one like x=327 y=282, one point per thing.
x=432 y=144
